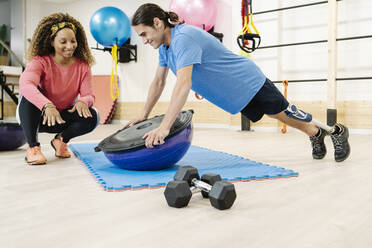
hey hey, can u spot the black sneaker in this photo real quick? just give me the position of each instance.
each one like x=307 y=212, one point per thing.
x=341 y=143
x=317 y=142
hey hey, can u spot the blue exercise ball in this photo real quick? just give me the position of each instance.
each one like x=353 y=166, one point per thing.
x=109 y=24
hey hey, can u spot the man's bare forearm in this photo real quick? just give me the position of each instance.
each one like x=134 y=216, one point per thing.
x=178 y=100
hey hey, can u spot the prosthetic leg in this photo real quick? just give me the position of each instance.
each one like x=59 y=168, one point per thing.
x=293 y=112
x=339 y=135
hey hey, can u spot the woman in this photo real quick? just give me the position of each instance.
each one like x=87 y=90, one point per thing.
x=56 y=86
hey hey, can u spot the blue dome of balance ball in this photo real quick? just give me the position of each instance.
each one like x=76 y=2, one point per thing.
x=126 y=148
x=11 y=136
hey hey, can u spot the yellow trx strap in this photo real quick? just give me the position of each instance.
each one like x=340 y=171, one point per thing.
x=253 y=26
x=114 y=85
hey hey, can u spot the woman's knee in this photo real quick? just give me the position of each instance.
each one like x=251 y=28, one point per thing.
x=92 y=121
x=27 y=113
x=95 y=113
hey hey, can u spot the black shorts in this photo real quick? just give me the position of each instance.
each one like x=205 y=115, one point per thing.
x=268 y=100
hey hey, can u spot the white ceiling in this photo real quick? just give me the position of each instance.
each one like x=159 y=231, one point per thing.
x=60 y=1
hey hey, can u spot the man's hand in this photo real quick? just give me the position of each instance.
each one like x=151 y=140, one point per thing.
x=133 y=122
x=155 y=137
x=51 y=115
x=82 y=109
x=179 y=95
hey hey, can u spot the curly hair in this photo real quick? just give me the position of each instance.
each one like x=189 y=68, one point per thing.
x=41 y=40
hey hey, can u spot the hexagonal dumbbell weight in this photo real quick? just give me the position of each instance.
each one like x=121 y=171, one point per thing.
x=178 y=192
x=211 y=179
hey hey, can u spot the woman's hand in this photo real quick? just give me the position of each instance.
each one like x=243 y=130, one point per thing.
x=82 y=109
x=155 y=137
x=51 y=115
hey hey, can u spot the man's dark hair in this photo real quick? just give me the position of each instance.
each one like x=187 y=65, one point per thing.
x=146 y=13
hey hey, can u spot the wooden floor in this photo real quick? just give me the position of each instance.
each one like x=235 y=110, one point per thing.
x=329 y=205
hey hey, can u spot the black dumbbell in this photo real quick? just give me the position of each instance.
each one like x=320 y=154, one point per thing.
x=187 y=173
x=178 y=192
x=223 y=194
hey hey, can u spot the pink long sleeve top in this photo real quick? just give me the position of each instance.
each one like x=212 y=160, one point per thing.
x=60 y=85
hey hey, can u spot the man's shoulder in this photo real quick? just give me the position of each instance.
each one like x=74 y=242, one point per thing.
x=186 y=28
x=185 y=34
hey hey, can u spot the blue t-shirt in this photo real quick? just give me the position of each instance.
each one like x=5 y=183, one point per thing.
x=226 y=79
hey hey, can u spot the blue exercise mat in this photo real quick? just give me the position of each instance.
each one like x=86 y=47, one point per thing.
x=230 y=167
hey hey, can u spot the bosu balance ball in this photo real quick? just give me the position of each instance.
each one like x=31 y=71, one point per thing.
x=109 y=25
x=126 y=148
x=11 y=136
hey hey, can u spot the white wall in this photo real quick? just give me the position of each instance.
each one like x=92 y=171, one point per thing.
x=17 y=32
x=224 y=23
x=296 y=62
x=4 y=12
x=310 y=61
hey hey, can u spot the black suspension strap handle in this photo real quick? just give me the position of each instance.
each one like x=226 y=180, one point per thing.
x=247 y=40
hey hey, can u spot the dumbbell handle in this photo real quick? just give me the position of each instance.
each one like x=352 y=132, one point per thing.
x=201 y=185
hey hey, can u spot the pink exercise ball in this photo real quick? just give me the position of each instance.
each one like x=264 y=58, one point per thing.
x=196 y=12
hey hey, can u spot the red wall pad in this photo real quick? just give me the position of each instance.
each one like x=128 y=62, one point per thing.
x=104 y=103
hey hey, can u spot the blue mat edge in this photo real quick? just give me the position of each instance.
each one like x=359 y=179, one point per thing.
x=102 y=183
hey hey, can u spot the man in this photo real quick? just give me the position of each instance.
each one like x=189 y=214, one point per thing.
x=232 y=82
